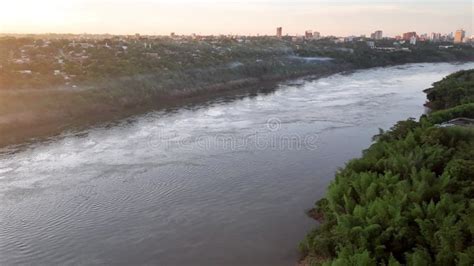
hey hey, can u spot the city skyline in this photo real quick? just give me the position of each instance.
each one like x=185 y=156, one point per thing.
x=160 y=17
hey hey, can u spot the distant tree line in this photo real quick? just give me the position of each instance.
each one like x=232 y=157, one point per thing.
x=85 y=62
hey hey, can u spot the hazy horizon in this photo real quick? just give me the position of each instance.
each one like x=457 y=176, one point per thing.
x=206 y=17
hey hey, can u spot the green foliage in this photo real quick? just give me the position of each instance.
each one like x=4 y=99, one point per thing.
x=408 y=200
x=465 y=110
x=164 y=61
x=454 y=90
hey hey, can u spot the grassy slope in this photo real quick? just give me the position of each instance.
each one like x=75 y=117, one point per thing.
x=25 y=114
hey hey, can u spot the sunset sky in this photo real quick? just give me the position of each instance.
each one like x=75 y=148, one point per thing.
x=349 y=17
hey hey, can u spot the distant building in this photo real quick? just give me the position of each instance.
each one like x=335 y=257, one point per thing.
x=316 y=35
x=27 y=72
x=378 y=35
x=279 y=32
x=308 y=34
x=297 y=38
x=445 y=46
x=459 y=36
x=407 y=36
x=350 y=38
x=460 y=121
x=413 y=40
x=423 y=37
x=371 y=44
x=435 y=37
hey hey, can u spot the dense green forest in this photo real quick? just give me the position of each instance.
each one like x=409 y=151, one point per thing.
x=164 y=65
x=409 y=200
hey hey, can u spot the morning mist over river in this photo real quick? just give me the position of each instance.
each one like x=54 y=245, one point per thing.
x=222 y=183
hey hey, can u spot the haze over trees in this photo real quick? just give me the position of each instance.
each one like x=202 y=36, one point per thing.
x=165 y=64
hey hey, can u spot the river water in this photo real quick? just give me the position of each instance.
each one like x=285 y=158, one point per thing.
x=221 y=183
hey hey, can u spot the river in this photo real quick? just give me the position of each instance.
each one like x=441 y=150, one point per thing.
x=221 y=183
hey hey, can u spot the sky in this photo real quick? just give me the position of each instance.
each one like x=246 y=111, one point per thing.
x=246 y=17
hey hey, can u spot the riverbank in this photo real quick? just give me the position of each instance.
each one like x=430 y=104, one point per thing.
x=406 y=200
x=32 y=115
x=66 y=88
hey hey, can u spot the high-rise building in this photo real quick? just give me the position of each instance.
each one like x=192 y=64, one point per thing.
x=316 y=35
x=435 y=37
x=279 y=32
x=378 y=35
x=459 y=36
x=423 y=37
x=407 y=36
x=308 y=34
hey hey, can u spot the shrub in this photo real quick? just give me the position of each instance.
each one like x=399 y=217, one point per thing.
x=465 y=110
x=408 y=200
